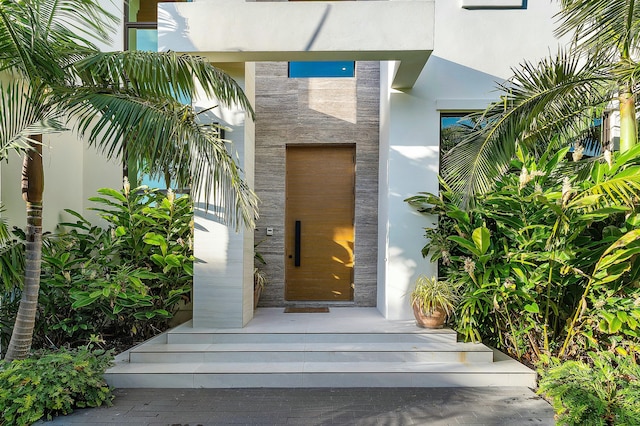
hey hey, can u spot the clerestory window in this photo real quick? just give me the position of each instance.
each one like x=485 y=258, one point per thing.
x=494 y=4
x=312 y=69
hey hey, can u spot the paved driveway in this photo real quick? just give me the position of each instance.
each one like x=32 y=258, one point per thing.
x=325 y=406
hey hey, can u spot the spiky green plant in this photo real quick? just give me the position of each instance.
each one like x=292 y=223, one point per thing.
x=430 y=293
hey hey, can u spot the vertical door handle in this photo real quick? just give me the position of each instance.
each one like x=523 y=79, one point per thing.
x=296 y=260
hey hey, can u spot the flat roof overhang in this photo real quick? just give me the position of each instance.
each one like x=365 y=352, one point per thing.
x=237 y=31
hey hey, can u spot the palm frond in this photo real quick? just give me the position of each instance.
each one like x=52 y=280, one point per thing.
x=545 y=103
x=122 y=98
x=81 y=22
x=160 y=75
x=620 y=189
x=24 y=112
x=40 y=37
x=12 y=259
x=4 y=231
x=602 y=25
x=470 y=167
x=629 y=71
x=15 y=52
x=164 y=133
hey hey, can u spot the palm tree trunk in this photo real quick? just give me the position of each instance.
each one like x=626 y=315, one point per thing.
x=32 y=190
x=628 y=125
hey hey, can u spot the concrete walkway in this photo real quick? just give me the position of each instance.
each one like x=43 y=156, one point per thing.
x=326 y=406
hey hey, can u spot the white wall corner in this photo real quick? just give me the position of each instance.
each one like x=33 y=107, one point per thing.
x=387 y=71
x=456 y=105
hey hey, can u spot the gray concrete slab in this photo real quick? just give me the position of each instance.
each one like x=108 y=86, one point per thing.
x=317 y=406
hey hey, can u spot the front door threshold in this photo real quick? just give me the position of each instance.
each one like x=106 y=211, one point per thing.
x=306 y=310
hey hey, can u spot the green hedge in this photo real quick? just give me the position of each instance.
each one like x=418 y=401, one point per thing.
x=53 y=383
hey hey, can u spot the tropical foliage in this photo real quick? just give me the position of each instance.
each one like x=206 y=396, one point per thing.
x=124 y=281
x=603 y=391
x=546 y=249
x=547 y=264
x=52 y=383
x=56 y=73
x=554 y=102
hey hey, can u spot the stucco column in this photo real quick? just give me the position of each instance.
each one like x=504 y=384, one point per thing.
x=223 y=270
x=409 y=162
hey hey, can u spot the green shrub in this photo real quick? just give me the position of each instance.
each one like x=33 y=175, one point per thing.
x=603 y=391
x=147 y=252
x=124 y=280
x=547 y=265
x=53 y=383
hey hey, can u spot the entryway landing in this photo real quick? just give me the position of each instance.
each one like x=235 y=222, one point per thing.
x=338 y=319
x=347 y=347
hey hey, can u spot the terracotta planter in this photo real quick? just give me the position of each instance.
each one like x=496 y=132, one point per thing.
x=435 y=320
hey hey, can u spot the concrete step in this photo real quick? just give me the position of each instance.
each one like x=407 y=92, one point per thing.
x=312 y=352
x=196 y=336
x=347 y=348
x=502 y=372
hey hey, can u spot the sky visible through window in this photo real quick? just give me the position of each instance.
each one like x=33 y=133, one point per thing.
x=146 y=39
x=321 y=69
x=453 y=127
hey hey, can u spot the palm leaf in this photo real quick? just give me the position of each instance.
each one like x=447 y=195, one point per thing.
x=12 y=259
x=628 y=72
x=81 y=22
x=622 y=188
x=165 y=133
x=40 y=37
x=23 y=113
x=160 y=75
x=123 y=97
x=546 y=103
x=15 y=49
x=611 y=26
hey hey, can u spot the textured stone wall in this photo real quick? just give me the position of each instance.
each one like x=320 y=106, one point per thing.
x=316 y=111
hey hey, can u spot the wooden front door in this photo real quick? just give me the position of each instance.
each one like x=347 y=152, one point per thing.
x=319 y=233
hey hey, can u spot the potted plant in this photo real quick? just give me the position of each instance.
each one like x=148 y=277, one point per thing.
x=259 y=280
x=433 y=301
x=259 y=277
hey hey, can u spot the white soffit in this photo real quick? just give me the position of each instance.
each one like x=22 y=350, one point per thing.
x=235 y=31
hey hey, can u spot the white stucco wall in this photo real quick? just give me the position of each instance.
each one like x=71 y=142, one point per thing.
x=473 y=50
x=223 y=272
x=73 y=171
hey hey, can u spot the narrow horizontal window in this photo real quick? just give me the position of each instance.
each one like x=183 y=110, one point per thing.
x=494 y=4
x=321 y=69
